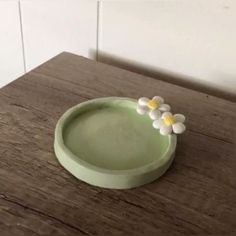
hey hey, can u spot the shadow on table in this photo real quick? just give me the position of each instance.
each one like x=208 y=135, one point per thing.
x=184 y=81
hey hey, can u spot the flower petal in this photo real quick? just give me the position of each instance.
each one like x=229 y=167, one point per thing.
x=143 y=101
x=164 y=130
x=155 y=114
x=178 y=128
x=159 y=99
x=142 y=109
x=157 y=124
x=179 y=118
x=165 y=114
x=164 y=107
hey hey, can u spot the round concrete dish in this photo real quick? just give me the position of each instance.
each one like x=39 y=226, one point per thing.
x=104 y=142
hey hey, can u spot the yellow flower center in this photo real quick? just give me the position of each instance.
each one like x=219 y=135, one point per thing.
x=169 y=120
x=153 y=104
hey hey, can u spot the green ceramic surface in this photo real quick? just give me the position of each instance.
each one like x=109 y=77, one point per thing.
x=106 y=143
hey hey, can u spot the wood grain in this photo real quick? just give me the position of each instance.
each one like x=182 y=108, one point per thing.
x=38 y=197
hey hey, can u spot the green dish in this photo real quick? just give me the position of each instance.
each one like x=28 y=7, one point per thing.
x=106 y=143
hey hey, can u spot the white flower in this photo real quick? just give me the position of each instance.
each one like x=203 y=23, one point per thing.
x=153 y=106
x=168 y=123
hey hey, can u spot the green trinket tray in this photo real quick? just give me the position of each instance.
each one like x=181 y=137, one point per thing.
x=106 y=143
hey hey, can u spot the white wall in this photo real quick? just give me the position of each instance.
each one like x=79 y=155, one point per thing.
x=50 y=27
x=193 y=39
x=11 y=54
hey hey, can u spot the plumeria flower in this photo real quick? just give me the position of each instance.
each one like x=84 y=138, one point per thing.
x=168 y=123
x=153 y=107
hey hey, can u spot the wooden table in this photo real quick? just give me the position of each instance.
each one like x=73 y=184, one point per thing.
x=39 y=197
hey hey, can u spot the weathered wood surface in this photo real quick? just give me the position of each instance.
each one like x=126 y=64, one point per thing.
x=38 y=197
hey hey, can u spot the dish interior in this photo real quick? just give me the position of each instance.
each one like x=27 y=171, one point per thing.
x=113 y=136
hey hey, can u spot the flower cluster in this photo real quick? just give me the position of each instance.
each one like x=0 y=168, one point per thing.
x=160 y=113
